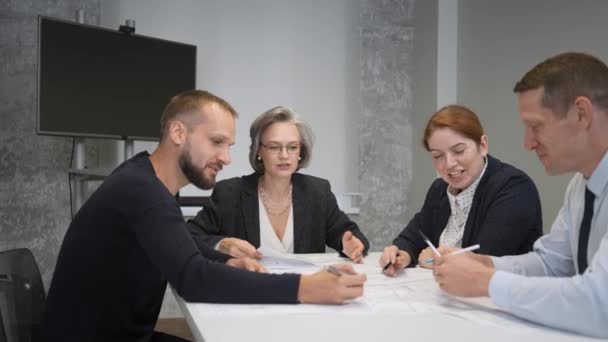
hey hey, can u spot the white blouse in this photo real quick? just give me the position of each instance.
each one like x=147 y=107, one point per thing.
x=460 y=205
x=268 y=237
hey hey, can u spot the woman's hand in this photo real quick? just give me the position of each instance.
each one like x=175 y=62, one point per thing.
x=238 y=248
x=426 y=258
x=394 y=260
x=352 y=247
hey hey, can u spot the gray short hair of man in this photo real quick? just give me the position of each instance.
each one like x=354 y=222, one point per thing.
x=274 y=115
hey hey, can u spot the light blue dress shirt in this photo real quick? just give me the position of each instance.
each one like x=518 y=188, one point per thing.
x=544 y=285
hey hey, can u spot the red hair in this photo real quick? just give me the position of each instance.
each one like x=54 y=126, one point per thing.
x=458 y=118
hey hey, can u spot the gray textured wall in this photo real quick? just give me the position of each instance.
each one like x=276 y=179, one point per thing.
x=387 y=34
x=34 y=192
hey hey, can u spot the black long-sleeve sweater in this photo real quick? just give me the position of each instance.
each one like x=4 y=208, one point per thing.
x=126 y=242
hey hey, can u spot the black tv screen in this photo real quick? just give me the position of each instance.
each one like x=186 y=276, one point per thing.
x=94 y=82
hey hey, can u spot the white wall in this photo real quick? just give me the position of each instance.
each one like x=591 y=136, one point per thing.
x=498 y=41
x=424 y=96
x=263 y=53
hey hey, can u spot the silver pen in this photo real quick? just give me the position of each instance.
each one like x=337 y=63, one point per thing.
x=333 y=270
x=428 y=242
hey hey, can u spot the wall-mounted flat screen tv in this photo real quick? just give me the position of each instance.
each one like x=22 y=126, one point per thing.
x=95 y=82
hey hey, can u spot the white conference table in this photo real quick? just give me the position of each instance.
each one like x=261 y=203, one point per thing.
x=407 y=307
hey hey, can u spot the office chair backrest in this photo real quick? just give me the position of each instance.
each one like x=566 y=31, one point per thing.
x=22 y=296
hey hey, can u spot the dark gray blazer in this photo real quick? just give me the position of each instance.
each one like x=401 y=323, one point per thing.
x=232 y=211
x=505 y=216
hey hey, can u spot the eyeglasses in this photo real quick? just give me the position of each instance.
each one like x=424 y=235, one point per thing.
x=276 y=148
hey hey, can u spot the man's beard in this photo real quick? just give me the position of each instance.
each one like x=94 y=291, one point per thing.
x=194 y=174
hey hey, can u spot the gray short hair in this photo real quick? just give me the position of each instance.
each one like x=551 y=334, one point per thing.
x=279 y=114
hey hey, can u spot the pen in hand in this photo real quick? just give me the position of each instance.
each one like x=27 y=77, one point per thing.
x=333 y=270
x=428 y=242
x=464 y=250
x=389 y=264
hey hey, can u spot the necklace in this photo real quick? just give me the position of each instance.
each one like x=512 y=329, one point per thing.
x=276 y=212
x=275 y=208
x=266 y=198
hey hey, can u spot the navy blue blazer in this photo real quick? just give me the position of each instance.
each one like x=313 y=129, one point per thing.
x=233 y=211
x=505 y=216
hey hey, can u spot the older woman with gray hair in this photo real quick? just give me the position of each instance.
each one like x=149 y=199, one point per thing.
x=276 y=207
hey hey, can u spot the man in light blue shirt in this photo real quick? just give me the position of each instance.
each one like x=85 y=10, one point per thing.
x=563 y=282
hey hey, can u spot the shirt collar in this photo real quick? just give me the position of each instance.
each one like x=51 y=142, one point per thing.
x=471 y=188
x=598 y=181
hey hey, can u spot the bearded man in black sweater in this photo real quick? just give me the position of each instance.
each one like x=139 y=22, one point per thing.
x=129 y=239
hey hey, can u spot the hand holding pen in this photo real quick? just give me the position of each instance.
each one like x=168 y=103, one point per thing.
x=463 y=274
x=429 y=243
x=393 y=260
x=335 y=284
x=438 y=253
x=428 y=261
x=426 y=258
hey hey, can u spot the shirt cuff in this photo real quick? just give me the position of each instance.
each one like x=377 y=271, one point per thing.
x=217 y=245
x=499 y=263
x=499 y=287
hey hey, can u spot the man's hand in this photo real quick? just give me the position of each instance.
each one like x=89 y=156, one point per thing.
x=395 y=259
x=324 y=287
x=466 y=274
x=352 y=247
x=247 y=264
x=238 y=248
x=445 y=250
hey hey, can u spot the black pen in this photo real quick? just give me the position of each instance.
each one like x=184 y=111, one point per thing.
x=389 y=264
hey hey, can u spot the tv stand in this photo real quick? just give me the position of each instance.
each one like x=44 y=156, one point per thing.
x=129 y=147
x=80 y=174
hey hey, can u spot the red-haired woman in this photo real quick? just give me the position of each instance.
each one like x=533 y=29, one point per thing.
x=477 y=200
